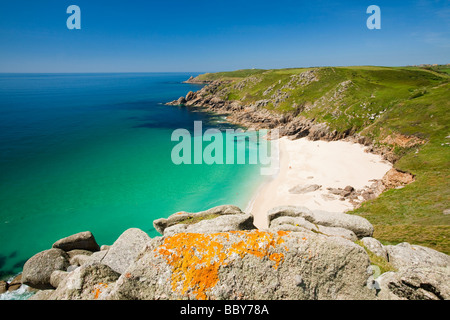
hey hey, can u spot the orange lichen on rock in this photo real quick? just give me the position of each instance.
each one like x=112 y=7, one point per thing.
x=196 y=258
x=98 y=289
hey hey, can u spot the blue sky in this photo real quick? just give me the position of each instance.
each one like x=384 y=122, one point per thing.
x=217 y=35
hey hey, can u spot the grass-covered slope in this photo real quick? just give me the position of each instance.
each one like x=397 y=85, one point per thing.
x=388 y=105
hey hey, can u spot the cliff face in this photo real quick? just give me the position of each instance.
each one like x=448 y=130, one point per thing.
x=303 y=255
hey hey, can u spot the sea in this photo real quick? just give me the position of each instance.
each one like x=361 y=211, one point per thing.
x=93 y=152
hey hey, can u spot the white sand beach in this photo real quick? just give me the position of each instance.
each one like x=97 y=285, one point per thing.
x=335 y=164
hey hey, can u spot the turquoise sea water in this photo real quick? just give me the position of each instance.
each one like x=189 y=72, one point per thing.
x=93 y=152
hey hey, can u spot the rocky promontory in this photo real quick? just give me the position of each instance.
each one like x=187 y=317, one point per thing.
x=219 y=254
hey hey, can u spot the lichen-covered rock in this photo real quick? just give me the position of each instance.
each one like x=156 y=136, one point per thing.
x=360 y=226
x=189 y=218
x=38 y=269
x=85 y=283
x=82 y=240
x=247 y=265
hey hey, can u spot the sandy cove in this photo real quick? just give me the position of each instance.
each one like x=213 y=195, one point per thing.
x=334 y=164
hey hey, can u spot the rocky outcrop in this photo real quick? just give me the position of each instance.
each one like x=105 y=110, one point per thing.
x=81 y=241
x=405 y=255
x=226 y=218
x=416 y=283
x=85 y=283
x=356 y=224
x=125 y=249
x=38 y=269
x=302 y=255
x=247 y=265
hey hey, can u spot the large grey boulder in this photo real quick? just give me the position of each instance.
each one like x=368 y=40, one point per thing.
x=85 y=283
x=124 y=250
x=358 y=225
x=405 y=256
x=220 y=224
x=416 y=283
x=236 y=220
x=38 y=269
x=300 y=224
x=82 y=241
x=247 y=265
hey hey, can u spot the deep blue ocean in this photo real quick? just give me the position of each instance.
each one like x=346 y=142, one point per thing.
x=92 y=152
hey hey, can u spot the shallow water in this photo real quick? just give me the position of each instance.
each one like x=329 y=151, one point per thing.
x=93 y=152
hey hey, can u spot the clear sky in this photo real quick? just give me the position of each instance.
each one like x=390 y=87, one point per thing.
x=218 y=35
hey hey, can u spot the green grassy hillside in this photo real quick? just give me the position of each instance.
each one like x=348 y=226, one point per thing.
x=380 y=103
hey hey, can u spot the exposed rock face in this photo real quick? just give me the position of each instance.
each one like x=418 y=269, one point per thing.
x=85 y=283
x=83 y=241
x=394 y=178
x=303 y=255
x=125 y=249
x=405 y=255
x=416 y=283
x=38 y=269
x=229 y=218
x=247 y=265
x=358 y=225
x=299 y=224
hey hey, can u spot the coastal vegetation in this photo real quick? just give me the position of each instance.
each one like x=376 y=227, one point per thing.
x=402 y=111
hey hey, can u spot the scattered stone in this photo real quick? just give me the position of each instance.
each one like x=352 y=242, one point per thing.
x=83 y=241
x=38 y=269
x=446 y=211
x=299 y=189
x=15 y=283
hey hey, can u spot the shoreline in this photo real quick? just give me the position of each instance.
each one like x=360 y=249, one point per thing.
x=309 y=169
